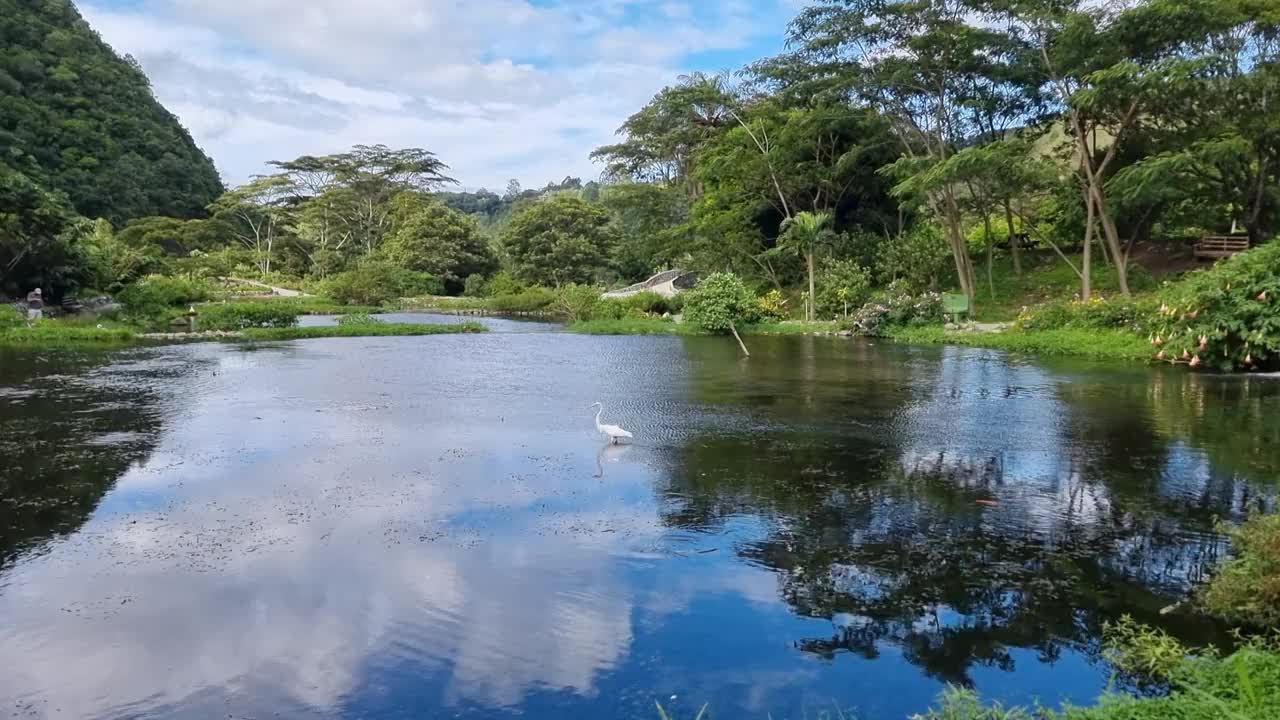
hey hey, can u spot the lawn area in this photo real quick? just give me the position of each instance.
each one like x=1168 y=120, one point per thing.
x=1045 y=278
x=373 y=329
x=1102 y=344
x=662 y=326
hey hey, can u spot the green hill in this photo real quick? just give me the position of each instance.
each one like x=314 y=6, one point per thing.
x=79 y=119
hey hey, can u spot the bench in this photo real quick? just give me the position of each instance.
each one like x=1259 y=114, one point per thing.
x=1217 y=246
x=955 y=305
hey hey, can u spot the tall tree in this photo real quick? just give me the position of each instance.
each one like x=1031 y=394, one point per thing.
x=919 y=63
x=257 y=212
x=662 y=139
x=804 y=233
x=354 y=190
x=78 y=119
x=429 y=237
x=560 y=239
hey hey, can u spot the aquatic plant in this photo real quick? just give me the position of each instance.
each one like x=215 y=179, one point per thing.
x=1246 y=588
x=718 y=303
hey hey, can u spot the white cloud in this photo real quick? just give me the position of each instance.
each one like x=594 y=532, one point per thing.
x=497 y=88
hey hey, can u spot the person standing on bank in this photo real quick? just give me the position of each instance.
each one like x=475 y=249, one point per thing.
x=35 y=306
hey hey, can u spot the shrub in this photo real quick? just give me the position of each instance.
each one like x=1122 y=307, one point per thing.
x=609 y=309
x=919 y=258
x=963 y=704
x=10 y=317
x=152 y=296
x=243 y=315
x=1144 y=653
x=577 y=302
x=718 y=302
x=646 y=301
x=1247 y=587
x=504 y=283
x=375 y=282
x=474 y=286
x=532 y=299
x=842 y=285
x=357 y=319
x=1098 y=313
x=896 y=311
x=772 y=306
x=1225 y=317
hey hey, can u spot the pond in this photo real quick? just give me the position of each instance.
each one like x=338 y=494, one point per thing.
x=408 y=527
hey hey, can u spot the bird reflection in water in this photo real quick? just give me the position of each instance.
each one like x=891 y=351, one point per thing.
x=609 y=453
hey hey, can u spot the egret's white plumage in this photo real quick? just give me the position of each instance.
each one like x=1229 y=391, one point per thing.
x=614 y=432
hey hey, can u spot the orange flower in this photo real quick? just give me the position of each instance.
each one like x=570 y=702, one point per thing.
x=1195 y=361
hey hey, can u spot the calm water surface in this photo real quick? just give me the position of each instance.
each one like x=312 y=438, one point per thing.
x=430 y=527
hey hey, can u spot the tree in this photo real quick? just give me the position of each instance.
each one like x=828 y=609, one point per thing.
x=1114 y=72
x=776 y=162
x=1223 y=149
x=560 y=239
x=843 y=284
x=256 y=212
x=650 y=220
x=78 y=119
x=429 y=237
x=921 y=64
x=664 y=137
x=35 y=235
x=350 y=192
x=804 y=233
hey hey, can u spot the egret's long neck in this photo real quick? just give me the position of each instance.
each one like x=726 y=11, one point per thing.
x=598 y=414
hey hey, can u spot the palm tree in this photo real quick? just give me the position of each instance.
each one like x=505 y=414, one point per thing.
x=803 y=233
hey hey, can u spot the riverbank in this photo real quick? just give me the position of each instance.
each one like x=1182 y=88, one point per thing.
x=663 y=326
x=51 y=335
x=1099 y=344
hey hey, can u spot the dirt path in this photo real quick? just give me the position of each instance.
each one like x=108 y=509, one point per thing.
x=282 y=292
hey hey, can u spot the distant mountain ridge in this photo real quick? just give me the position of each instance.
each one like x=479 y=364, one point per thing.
x=78 y=119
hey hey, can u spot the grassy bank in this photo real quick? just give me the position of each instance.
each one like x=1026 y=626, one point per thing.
x=1101 y=344
x=59 y=335
x=317 y=305
x=56 y=335
x=662 y=326
x=632 y=326
x=375 y=329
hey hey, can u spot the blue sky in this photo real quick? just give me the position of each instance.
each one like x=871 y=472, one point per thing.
x=499 y=89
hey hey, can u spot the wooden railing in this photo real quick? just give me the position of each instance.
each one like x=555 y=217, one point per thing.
x=1214 y=246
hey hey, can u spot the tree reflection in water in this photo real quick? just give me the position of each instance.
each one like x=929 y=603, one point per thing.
x=988 y=507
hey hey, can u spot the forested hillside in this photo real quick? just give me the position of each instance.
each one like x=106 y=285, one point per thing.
x=78 y=119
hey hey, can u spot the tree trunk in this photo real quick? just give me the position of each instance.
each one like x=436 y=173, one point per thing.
x=1118 y=253
x=1086 y=269
x=959 y=248
x=1015 y=248
x=812 y=287
x=738 y=337
x=991 y=255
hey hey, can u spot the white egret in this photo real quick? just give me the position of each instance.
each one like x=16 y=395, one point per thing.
x=614 y=432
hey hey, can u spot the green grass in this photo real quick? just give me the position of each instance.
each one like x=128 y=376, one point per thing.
x=1045 y=277
x=359 y=330
x=54 y=334
x=316 y=305
x=1101 y=344
x=68 y=334
x=661 y=326
x=633 y=326
x=790 y=327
